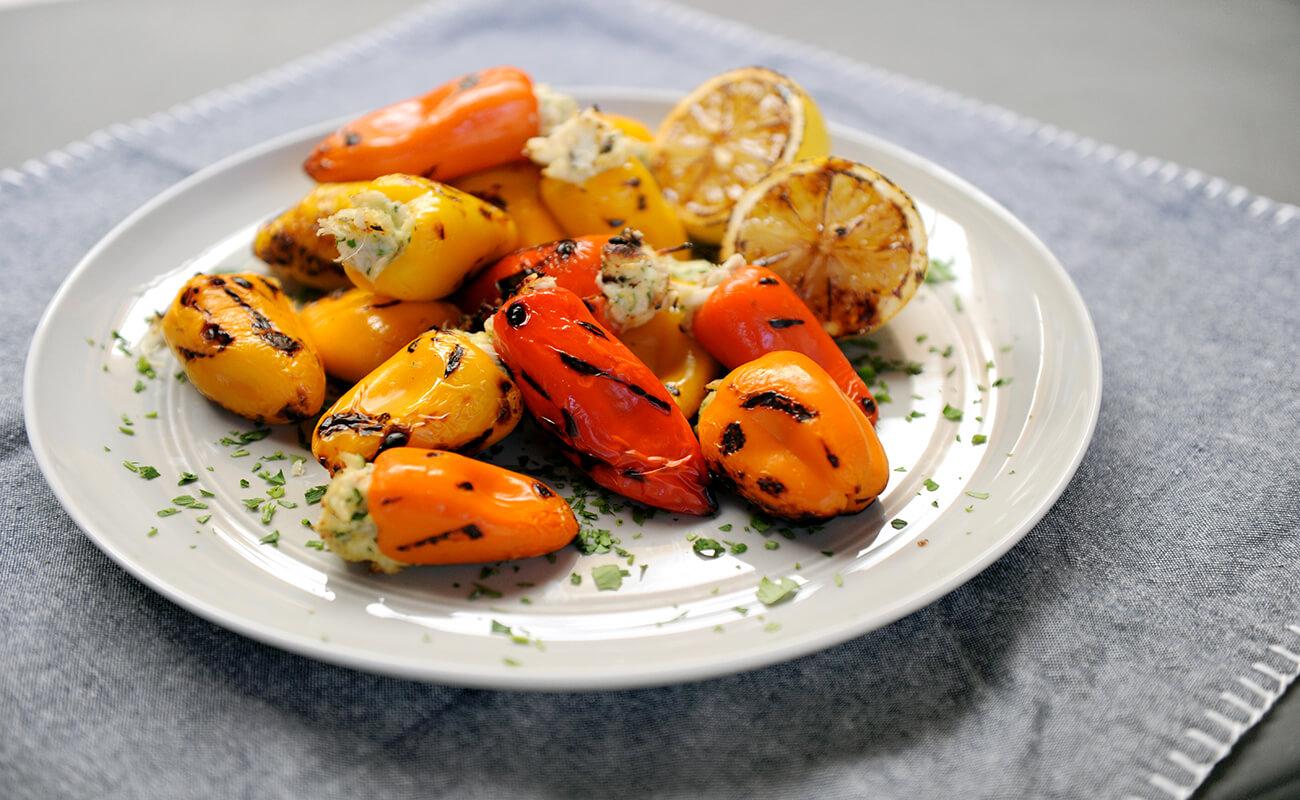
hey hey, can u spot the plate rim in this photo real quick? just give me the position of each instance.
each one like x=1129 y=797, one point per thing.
x=628 y=677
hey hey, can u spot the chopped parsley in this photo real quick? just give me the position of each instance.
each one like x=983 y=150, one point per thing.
x=725 y=528
x=146 y=369
x=940 y=271
x=187 y=477
x=314 y=494
x=771 y=544
x=898 y=523
x=951 y=414
x=480 y=590
x=978 y=495
x=143 y=470
x=771 y=592
x=609 y=577
x=167 y=512
x=203 y=520
x=1001 y=382
x=595 y=541
x=760 y=524
x=575 y=579
x=314 y=544
x=272 y=538
x=978 y=438
x=930 y=485
x=708 y=548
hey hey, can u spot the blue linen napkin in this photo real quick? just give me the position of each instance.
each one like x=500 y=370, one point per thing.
x=1119 y=651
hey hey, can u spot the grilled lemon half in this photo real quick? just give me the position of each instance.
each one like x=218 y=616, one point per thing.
x=725 y=136
x=846 y=238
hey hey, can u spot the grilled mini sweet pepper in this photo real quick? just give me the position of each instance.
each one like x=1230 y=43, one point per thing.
x=414 y=239
x=291 y=245
x=573 y=263
x=473 y=122
x=782 y=433
x=609 y=411
x=440 y=392
x=680 y=362
x=355 y=331
x=432 y=507
x=242 y=347
x=753 y=312
x=516 y=190
x=593 y=182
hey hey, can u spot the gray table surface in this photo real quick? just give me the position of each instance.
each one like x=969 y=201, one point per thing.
x=1211 y=85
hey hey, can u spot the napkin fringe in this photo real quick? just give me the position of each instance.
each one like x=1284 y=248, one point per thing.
x=1222 y=722
x=295 y=72
x=1209 y=738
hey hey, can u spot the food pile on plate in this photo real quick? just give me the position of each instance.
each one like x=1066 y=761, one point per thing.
x=663 y=305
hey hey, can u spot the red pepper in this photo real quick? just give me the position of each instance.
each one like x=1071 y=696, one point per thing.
x=474 y=122
x=613 y=417
x=753 y=312
x=574 y=263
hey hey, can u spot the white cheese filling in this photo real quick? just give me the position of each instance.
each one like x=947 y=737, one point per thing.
x=634 y=280
x=581 y=148
x=691 y=282
x=553 y=108
x=371 y=233
x=346 y=524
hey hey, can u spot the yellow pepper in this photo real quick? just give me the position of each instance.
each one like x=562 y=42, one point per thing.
x=414 y=239
x=291 y=245
x=630 y=127
x=355 y=331
x=515 y=188
x=618 y=198
x=440 y=392
x=242 y=347
x=594 y=183
x=684 y=367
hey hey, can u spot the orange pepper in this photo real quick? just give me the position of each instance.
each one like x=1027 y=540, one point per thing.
x=754 y=312
x=471 y=123
x=787 y=439
x=435 y=507
x=574 y=263
x=614 y=418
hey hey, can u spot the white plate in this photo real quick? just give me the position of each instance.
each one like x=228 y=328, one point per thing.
x=684 y=617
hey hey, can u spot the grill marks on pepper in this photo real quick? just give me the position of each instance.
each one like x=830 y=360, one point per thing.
x=831 y=458
x=531 y=381
x=583 y=368
x=779 y=402
x=784 y=322
x=453 y=360
x=733 y=438
x=464 y=533
x=570 y=424
x=594 y=330
x=261 y=325
x=771 y=485
x=354 y=421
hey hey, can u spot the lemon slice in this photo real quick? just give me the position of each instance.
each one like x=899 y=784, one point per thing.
x=848 y=240
x=725 y=136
